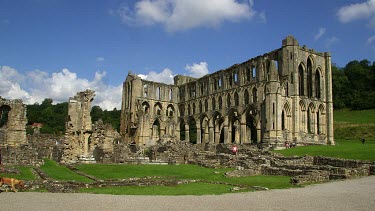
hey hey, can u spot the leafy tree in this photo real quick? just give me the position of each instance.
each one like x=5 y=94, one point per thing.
x=354 y=85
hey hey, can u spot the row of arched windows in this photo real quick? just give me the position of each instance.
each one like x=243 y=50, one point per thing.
x=309 y=83
x=218 y=103
x=158 y=94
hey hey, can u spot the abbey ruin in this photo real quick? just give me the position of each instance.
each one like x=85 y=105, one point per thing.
x=13 y=122
x=282 y=96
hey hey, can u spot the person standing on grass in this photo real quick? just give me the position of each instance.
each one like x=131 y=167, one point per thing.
x=363 y=141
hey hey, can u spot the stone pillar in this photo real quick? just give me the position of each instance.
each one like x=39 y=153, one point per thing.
x=199 y=134
x=329 y=112
x=187 y=134
x=217 y=135
x=225 y=128
x=243 y=133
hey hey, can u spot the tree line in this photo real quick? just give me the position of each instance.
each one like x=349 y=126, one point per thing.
x=54 y=117
x=353 y=86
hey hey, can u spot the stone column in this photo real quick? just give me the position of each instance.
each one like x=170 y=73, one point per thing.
x=225 y=128
x=329 y=111
x=199 y=134
x=187 y=134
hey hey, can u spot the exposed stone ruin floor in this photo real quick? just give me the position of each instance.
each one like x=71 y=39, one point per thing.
x=248 y=161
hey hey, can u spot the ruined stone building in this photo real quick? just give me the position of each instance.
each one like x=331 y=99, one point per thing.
x=283 y=95
x=13 y=122
x=78 y=127
x=83 y=139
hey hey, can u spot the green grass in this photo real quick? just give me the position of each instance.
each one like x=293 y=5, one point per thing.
x=184 y=189
x=57 y=172
x=181 y=172
x=25 y=173
x=347 y=149
x=354 y=117
x=354 y=125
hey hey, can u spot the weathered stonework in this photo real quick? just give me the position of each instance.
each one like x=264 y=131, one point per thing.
x=84 y=141
x=13 y=133
x=282 y=96
x=78 y=127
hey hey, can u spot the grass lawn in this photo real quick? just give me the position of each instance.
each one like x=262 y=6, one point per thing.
x=354 y=117
x=354 y=125
x=347 y=149
x=58 y=172
x=188 y=172
x=25 y=173
x=349 y=129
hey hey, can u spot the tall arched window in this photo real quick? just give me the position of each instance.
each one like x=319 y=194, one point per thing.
x=301 y=81
x=248 y=74
x=205 y=106
x=246 y=97
x=220 y=103
x=228 y=100
x=157 y=94
x=213 y=104
x=317 y=84
x=236 y=99
x=255 y=95
x=283 y=120
x=309 y=78
x=170 y=94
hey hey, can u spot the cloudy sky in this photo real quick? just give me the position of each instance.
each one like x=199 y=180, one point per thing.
x=55 y=48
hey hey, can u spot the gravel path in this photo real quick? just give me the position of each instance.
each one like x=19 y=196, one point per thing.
x=356 y=194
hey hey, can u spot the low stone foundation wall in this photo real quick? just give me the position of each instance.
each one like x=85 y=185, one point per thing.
x=311 y=177
x=319 y=160
x=24 y=155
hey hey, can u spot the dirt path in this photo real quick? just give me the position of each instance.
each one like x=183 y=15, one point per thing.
x=356 y=194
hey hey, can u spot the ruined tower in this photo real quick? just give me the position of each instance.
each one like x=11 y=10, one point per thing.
x=13 y=122
x=283 y=95
x=78 y=128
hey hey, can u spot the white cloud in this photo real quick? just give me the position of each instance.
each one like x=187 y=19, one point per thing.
x=38 y=85
x=100 y=59
x=197 y=70
x=180 y=15
x=321 y=32
x=358 y=11
x=165 y=76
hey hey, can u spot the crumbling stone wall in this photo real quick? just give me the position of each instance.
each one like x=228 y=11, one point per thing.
x=281 y=96
x=102 y=141
x=21 y=155
x=47 y=145
x=84 y=141
x=78 y=127
x=13 y=133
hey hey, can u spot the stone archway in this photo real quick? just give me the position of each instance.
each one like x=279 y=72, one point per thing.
x=4 y=115
x=192 y=130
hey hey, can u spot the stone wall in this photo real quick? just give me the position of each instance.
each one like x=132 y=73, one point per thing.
x=13 y=133
x=23 y=155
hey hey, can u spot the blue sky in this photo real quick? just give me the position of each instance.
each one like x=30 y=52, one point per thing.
x=55 y=48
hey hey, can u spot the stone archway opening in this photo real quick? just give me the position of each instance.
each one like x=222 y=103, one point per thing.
x=251 y=128
x=182 y=130
x=192 y=130
x=4 y=114
x=156 y=130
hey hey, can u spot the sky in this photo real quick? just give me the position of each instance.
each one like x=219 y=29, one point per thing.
x=56 y=48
